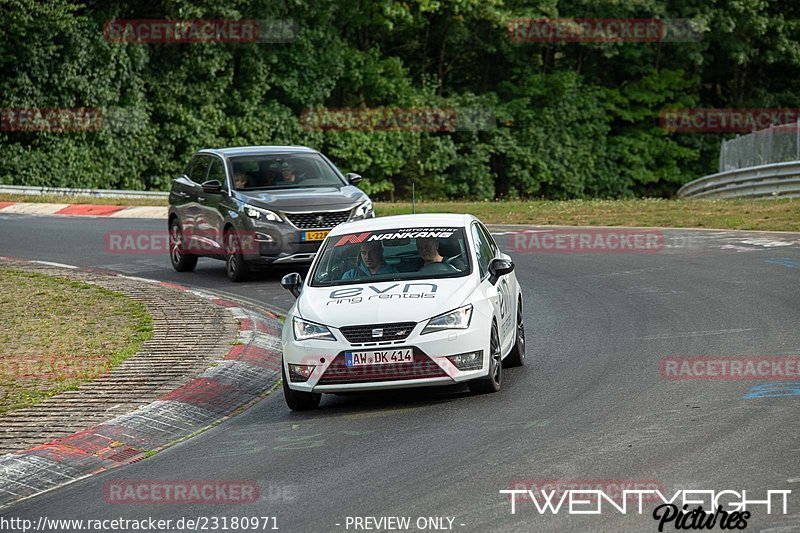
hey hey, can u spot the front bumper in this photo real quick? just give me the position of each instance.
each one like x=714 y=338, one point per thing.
x=281 y=242
x=429 y=368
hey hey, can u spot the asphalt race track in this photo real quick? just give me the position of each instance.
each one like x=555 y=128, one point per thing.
x=590 y=405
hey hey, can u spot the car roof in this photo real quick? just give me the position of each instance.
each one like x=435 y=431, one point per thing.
x=404 y=221
x=259 y=150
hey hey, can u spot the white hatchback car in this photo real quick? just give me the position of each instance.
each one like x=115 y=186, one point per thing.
x=402 y=301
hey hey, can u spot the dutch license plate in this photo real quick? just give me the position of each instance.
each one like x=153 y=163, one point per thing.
x=379 y=357
x=314 y=235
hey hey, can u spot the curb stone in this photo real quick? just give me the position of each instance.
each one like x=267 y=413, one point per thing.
x=246 y=373
x=84 y=210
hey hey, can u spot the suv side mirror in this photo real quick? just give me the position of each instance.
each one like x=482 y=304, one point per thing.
x=499 y=267
x=293 y=283
x=212 y=186
x=353 y=179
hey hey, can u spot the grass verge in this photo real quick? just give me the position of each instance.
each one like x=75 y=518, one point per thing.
x=765 y=214
x=770 y=214
x=95 y=200
x=59 y=333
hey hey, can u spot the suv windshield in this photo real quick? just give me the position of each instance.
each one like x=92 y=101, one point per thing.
x=282 y=171
x=392 y=254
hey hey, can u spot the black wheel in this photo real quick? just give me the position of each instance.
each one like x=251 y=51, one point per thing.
x=181 y=261
x=494 y=380
x=235 y=265
x=299 y=400
x=517 y=355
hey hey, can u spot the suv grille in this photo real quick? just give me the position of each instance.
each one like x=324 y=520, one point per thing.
x=323 y=219
x=390 y=332
x=338 y=373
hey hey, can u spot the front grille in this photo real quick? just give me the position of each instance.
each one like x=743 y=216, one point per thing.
x=323 y=219
x=338 y=373
x=390 y=332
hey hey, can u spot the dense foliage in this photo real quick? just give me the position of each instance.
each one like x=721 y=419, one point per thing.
x=571 y=119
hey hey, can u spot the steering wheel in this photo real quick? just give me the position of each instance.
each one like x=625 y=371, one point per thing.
x=450 y=260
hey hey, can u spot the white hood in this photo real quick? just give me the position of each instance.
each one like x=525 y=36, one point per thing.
x=383 y=302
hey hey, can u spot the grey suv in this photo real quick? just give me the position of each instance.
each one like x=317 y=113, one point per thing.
x=258 y=205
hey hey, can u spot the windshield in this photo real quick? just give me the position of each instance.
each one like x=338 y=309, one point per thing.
x=392 y=254
x=282 y=171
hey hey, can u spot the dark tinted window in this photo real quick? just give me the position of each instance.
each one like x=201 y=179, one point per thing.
x=283 y=171
x=217 y=172
x=198 y=168
x=488 y=237
x=482 y=249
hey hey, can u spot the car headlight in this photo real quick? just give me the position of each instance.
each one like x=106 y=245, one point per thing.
x=456 y=319
x=364 y=210
x=260 y=213
x=305 y=330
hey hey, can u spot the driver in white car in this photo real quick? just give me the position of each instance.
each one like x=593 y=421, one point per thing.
x=372 y=262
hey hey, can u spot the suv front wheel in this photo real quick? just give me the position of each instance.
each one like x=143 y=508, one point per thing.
x=181 y=261
x=235 y=265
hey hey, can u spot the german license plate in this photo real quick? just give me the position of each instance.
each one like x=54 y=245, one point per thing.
x=379 y=357
x=314 y=235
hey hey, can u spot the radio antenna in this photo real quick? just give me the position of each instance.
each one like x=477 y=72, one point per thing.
x=413 y=200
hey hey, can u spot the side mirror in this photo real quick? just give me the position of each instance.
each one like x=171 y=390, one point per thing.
x=499 y=267
x=353 y=179
x=212 y=186
x=293 y=283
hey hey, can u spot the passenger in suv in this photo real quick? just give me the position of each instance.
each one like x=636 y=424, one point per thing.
x=257 y=206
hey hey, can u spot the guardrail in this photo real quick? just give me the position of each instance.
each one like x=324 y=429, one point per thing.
x=64 y=191
x=765 y=181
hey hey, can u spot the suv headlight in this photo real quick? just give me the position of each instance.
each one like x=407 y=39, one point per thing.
x=364 y=210
x=305 y=330
x=456 y=319
x=260 y=213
